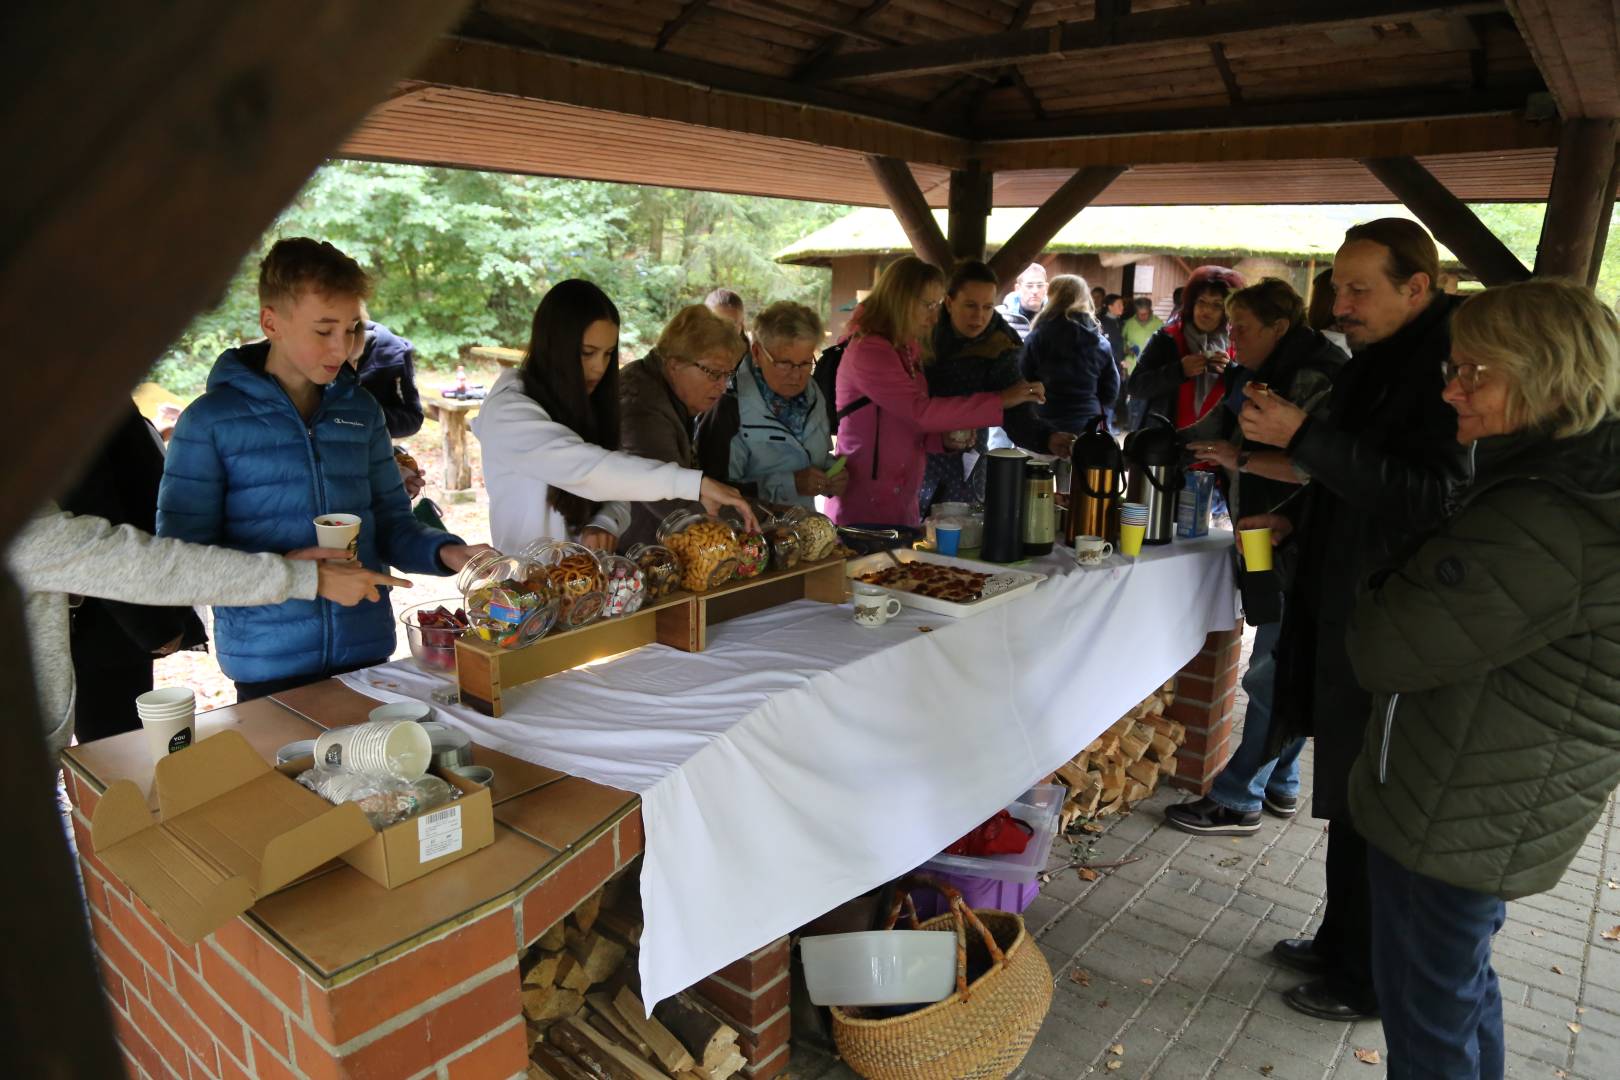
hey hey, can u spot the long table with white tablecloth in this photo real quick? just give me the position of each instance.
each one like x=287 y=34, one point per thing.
x=801 y=760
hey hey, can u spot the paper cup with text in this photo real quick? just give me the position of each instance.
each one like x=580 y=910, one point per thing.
x=1256 y=548
x=1130 y=539
x=169 y=718
x=338 y=531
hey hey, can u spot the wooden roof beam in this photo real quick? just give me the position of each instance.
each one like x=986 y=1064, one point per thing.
x=911 y=208
x=1057 y=211
x=1449 y=219
x=673 y=27
x=1210 y=24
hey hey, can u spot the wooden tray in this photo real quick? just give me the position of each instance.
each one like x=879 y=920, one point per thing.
x=681 y=621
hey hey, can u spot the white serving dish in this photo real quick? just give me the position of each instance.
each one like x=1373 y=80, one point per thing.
x=880 y=967
x=1004 y=585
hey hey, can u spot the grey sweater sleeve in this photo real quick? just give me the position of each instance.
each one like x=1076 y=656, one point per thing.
x=65 y=553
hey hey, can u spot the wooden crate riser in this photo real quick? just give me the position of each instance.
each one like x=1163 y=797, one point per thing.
x=485 y=671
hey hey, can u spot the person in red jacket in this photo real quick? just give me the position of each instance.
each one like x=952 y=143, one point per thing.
x=1181 y=374
x=886 y=440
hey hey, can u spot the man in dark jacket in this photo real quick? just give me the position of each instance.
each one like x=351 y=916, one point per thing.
x=387 y=369
x=1024 y=303
x=1382 y=470
x=114 y=642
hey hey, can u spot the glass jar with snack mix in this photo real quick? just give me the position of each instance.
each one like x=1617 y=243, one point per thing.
x=509 y=599
x=626 y=586
x=818 y=536
x=660 y=569
x=780 y=535
x=754 y=551
x=707 y=548
x=577 y=577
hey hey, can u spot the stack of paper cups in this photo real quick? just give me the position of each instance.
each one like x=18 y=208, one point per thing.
x=399 y=748
x=1133 y=519
x=168 y=717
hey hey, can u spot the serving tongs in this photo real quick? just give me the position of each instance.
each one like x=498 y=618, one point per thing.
x=890 y=535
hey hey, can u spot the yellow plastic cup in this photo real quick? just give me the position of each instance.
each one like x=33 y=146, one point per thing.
x=1130 y=539
x=1256 y=548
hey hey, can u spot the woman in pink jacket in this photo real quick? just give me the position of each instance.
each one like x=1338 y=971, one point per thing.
x=887 y=439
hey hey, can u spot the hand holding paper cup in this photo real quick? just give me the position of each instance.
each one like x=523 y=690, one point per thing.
x=338 y=531
x=1256 y=548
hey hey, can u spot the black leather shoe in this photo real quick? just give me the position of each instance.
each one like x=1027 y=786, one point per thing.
x=1206 y=817
x=1283 y=806
x=1299 y=954
x=1317 y=999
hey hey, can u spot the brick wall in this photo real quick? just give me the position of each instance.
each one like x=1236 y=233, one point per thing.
x=752 y=995
x=1206 y=690
x=236 y=1006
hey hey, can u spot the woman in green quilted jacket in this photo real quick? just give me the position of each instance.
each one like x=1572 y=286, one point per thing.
x=1493 y=655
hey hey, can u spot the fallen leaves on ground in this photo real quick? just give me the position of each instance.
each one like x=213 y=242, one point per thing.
x=1265 y=1070
x=1230 y=860
x=1113 y=1064
x=1145 y=982
x=1103 y=1004
x=1612 y=934
x=1556 y=970
x=1118 y=1049
x=1537 y=933
x=1613 y=884
x=1368 y=1057
x=1087 y=873
x=1573 y=1027
x=1080 y=976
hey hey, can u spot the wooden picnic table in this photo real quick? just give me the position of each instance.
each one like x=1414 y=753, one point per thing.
x=451 y=414
x=498 y=353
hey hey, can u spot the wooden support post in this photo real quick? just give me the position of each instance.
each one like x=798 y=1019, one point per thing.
x=213 y=131
x=970 y=202
x=1579 y=199
x=1448 y=218
x=1600 y=238
x=1059 y=209
x=907 y=201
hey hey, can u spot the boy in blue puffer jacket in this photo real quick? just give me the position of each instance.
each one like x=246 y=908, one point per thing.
x=283 y=435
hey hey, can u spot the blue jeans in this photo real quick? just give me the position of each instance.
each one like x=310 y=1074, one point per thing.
x=1441 y=1006
x=1252 y=772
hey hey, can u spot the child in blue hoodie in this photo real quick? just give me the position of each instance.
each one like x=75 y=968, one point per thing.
x=283 y=435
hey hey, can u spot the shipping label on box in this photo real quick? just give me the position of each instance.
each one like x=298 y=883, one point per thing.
x=438 y=833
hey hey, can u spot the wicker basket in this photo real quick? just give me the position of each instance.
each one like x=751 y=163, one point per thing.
x=982 y=1030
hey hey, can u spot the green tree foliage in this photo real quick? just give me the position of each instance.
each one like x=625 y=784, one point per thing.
x=461 y=258
x=1518 y=225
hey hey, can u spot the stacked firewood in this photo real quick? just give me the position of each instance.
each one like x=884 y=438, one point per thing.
x=586 y=1020
x=1123 y=765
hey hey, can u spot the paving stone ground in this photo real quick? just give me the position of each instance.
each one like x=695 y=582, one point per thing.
x=1167 y=957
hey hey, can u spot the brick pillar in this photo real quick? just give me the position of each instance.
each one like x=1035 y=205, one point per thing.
x=1205 y=692
x=236 y=1006
x=752 y=995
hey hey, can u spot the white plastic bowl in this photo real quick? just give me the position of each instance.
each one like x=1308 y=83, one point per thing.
x=880 y=967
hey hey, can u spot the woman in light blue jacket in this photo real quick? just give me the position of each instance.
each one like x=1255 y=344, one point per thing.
x=783 y=443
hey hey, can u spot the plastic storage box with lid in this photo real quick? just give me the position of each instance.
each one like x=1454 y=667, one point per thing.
x=1038 y=808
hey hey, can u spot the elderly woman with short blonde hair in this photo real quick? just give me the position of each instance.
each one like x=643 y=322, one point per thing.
x=1493 y=655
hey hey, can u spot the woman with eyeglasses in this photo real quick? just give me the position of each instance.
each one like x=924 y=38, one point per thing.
x=663 y=395
x=781 y=437
x=1493 y=655
x=892 y=424
x=549 y=432
x=1181 y=372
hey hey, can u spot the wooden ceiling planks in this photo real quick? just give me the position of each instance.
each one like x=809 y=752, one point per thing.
x=1576 y=44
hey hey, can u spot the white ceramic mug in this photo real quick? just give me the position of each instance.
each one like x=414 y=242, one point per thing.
x=1091 y=550
x=873 y=606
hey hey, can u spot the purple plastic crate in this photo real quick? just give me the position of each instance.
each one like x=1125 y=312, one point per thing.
x=979 y=892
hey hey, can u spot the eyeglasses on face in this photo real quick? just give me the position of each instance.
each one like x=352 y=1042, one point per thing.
x=929 y=305
x=709 y=373
x=1466 y=375
x=784 y=366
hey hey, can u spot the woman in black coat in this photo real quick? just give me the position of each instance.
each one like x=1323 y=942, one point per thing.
x=1067 y=351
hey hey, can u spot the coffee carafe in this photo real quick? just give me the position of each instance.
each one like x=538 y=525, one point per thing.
x=1003 y=505
x=1096 y=482
x=1040 y=511
x=1153 y=453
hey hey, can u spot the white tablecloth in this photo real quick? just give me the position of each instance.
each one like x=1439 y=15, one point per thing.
x=802 y=760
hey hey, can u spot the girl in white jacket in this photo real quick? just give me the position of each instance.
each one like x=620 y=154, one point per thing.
x=550 y=435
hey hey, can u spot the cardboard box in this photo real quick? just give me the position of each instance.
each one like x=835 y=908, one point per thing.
x=230 y=830
x=422 y=844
